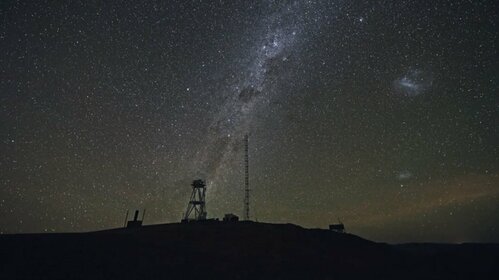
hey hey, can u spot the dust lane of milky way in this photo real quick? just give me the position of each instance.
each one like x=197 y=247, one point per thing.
x=276 y=39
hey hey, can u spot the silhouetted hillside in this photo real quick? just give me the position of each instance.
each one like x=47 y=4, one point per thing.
x=244 y=250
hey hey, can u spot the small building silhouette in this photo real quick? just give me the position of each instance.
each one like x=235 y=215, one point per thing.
x=230 y=218
x=337 y=227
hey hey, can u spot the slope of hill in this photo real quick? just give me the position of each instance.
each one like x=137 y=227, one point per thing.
x=243 y=250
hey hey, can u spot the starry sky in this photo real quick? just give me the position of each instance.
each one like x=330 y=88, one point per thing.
x=383 y=114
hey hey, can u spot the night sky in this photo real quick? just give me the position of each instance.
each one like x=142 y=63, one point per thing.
x=383 y=114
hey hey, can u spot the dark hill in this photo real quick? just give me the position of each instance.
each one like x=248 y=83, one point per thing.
x=244 y=250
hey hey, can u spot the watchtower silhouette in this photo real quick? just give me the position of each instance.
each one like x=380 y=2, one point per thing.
x=196 y=208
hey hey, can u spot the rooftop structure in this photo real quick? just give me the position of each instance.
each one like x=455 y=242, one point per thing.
x=135 y=223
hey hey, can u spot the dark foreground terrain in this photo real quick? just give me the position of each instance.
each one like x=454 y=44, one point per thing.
x=243 y=250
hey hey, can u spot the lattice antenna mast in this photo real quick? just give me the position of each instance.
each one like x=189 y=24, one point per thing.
x=246 y=179
x=197 y=203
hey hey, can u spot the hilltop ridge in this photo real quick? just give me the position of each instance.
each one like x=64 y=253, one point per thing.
x=238 y=250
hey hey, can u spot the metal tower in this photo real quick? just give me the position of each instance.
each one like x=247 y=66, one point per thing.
x=197 y=204
x=246 y=179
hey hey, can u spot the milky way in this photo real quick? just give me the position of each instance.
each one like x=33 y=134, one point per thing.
x=276 y=38
x=380 y=113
